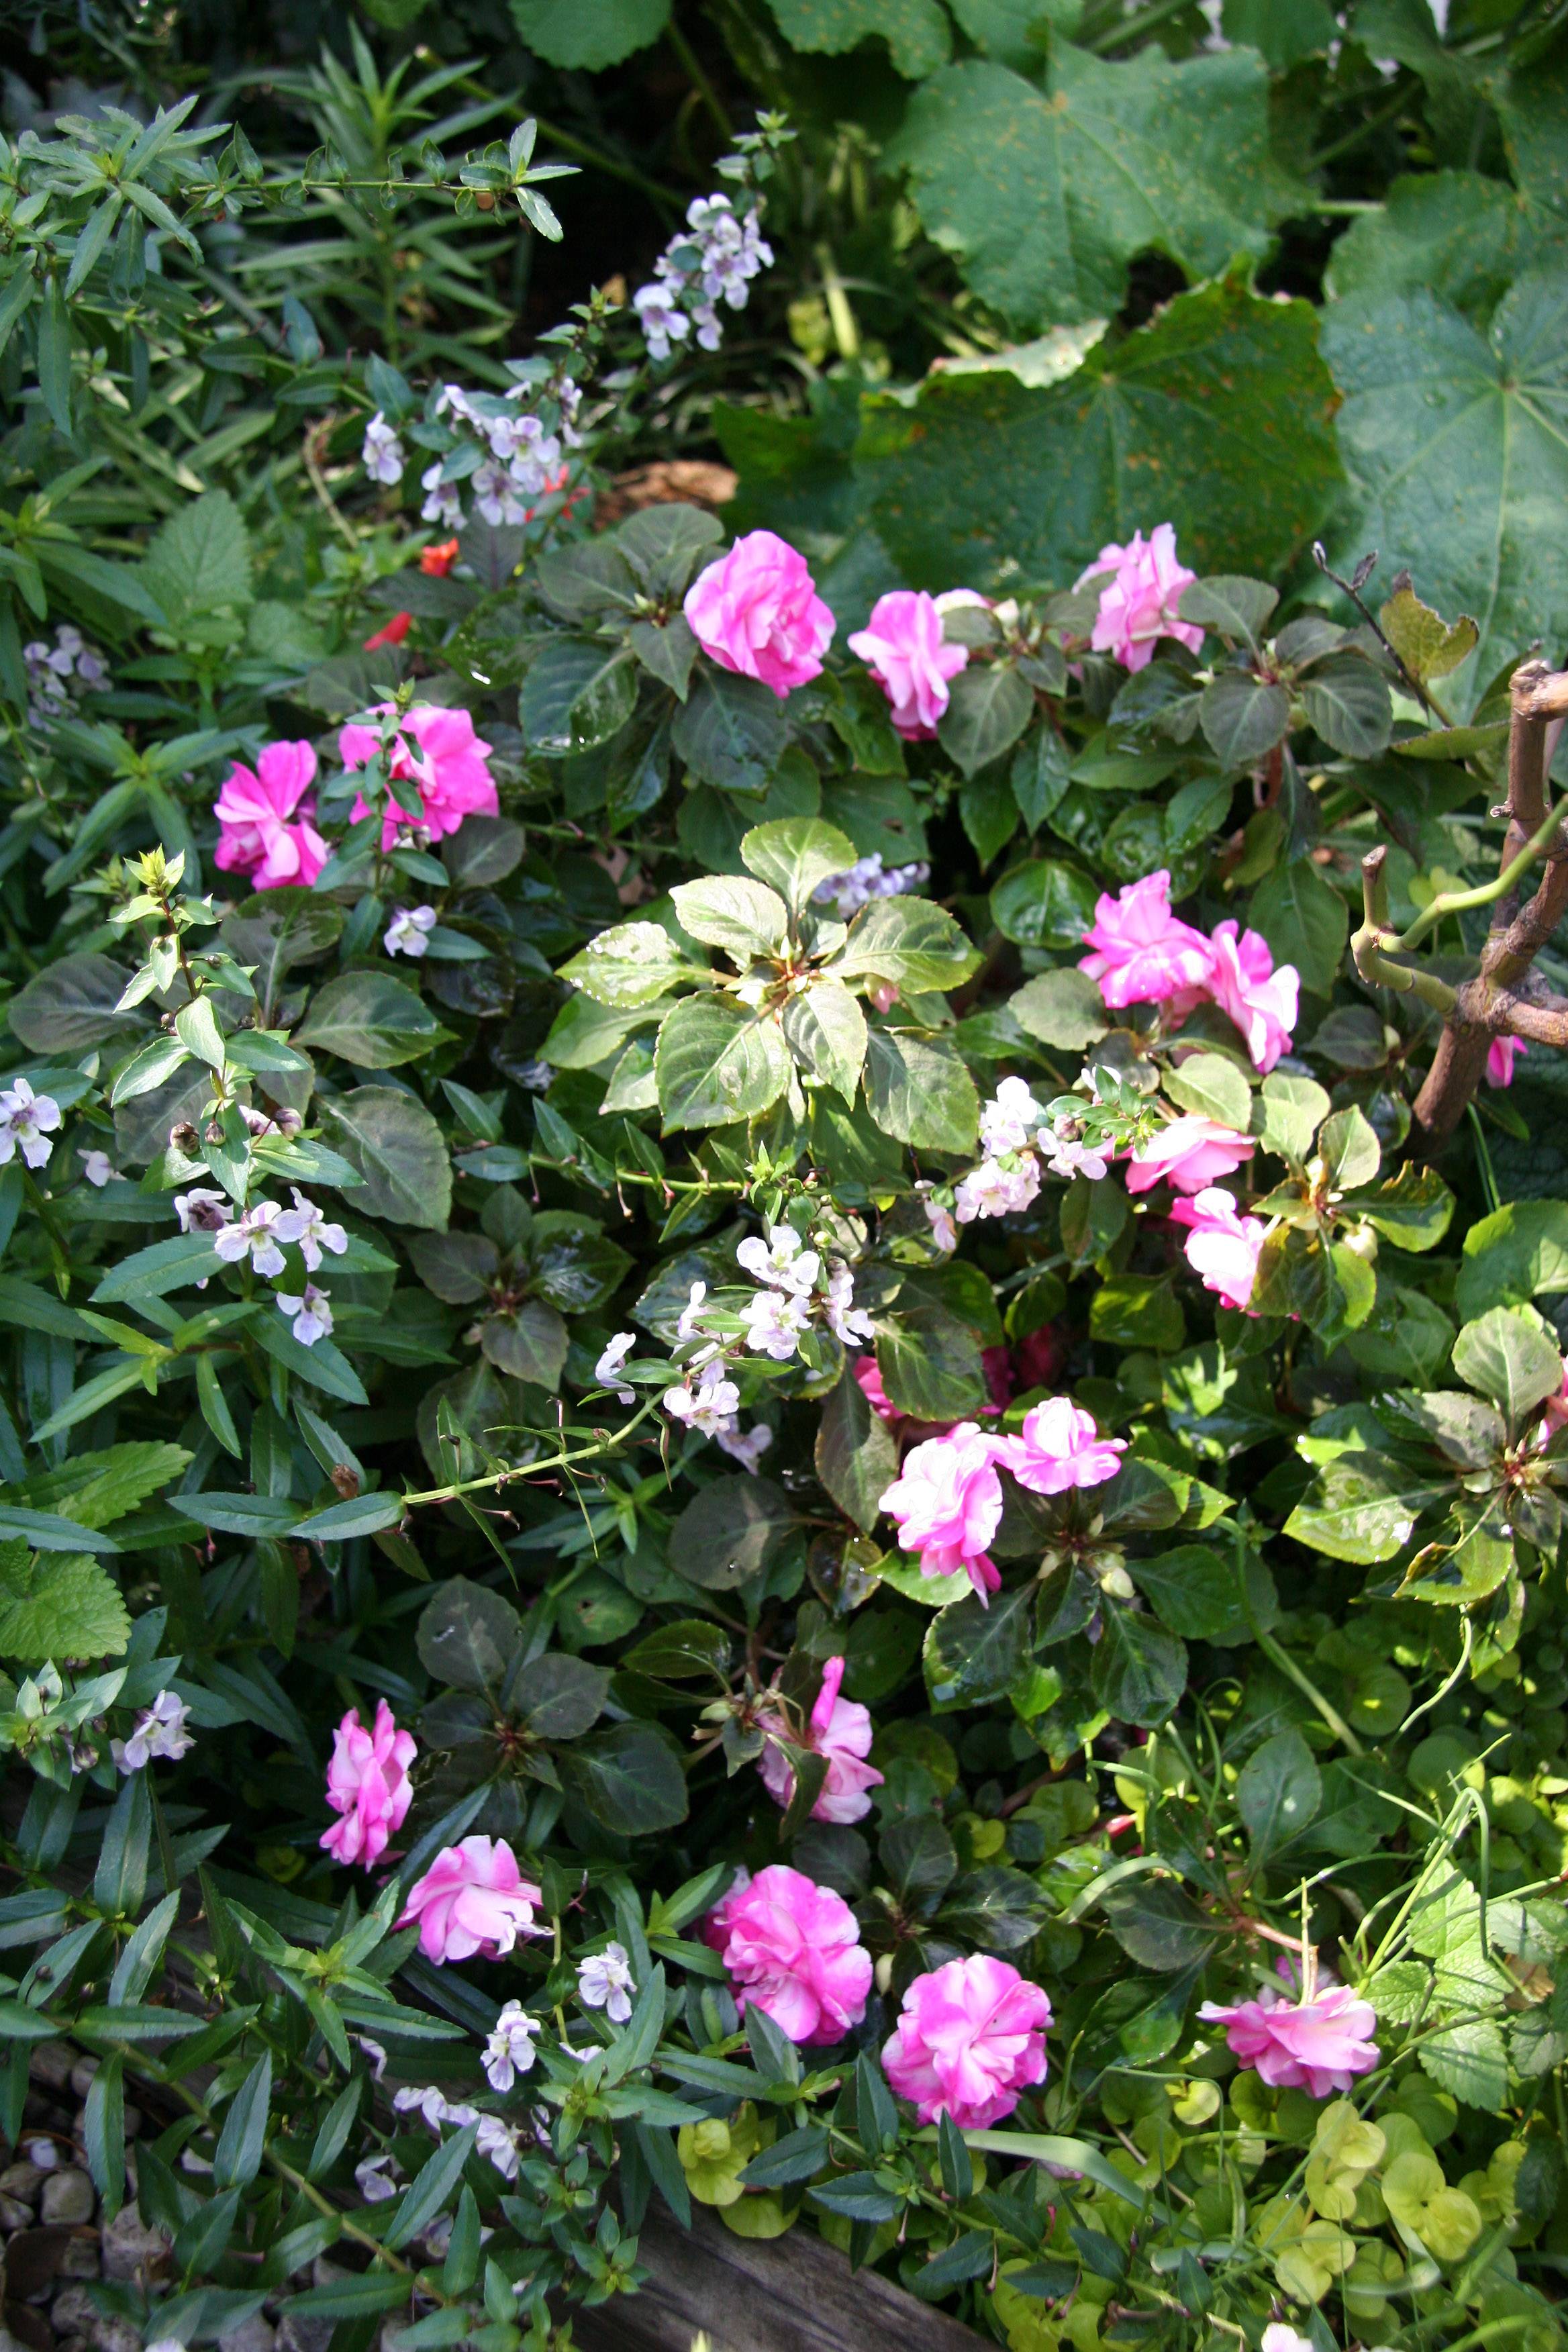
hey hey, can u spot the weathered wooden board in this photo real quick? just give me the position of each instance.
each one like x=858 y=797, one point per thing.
x=793 y=2293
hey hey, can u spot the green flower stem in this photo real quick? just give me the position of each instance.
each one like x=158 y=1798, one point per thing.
x=529 y=1469
x=1281 y=1657
x=1485 y=893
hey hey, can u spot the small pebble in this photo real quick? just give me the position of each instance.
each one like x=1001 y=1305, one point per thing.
x=82 y=2073
x=68 y=2198
x=81 y=2258
x=51 y=2062
x=22 y=2181
x=43 y=2155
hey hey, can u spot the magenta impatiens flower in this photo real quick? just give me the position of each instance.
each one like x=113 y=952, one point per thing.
x=947 y=1499
x=757 y=611
x=1140 y=600
x=263 y=817
x=1318 y=2044
x=794 y=1948
x=1221 y=1245
x=439 y=753
x=1191 y=1152
x=868 y=1379
x=1059 y=1446
x=368 y=1784
x=1501 y=1054
x=1261 y=1001
x=472 y=1899
x=840 y=1729
x=1143 y=953
x=903 y=647
x=970 y=2039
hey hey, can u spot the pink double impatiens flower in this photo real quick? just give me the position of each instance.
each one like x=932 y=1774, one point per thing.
x=947 y=1497
x=1319 y=2043
x=368 y=1785
x=903 y=647
x=1140 y=597
x=264 y=819
x=794 y=1948
x=970 y=2039
x=841 y=1730
x=756 y=612
x=439 y=753
x=1143 y=954
x=473 y=1900
x=1221 y=1245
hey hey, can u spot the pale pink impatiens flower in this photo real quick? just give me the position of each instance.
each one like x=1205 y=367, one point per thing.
x=472 y=1899
x=1501 y=1056
x=947 y=1499
x=1244 y=983
x=1143 y=953
x=1318 y=2044
x=439 y=753
x=368 y=1784
x=903 y=647
x=841 y=1730
x=794 y=1948
x=1141 y=599
x=757 y=611
x=263 y=817
x=1059 y=1446
x=1191 y=1152
x=1221 y=1245
x=970 y=2039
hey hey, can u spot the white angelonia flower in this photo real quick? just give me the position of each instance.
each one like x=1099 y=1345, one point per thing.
x=510 y=2051
x=307 y=1226
x=1008 y=1119
x=201 y=1209
x=494 y=2139
x=608 y=1370
x=943 y=1231
x=424 y=2100
x=28 y=1120
x=310 y=1314
x=443 y=501
x=381 y=454
x=783 y=1261
x=99 y=1169
x=1067 y=1155
x=252 y=1233
x=844 y=1319
x=409 y=933
x=371 y=2180
x=992 y=1191
x=749 y=1450
x=160 y=1732
x=774 y=1321
x=605 y=1981
x=691 y=1326
x=706 y=1409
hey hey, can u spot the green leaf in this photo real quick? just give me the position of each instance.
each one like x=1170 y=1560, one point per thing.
x=1046 y=194
x=1519 y=1253
x=1138 y=1310
x=430 y=2188
x=667 y=650
x=1470 y=2059
x=1305 y=921
x=1214 y=1087
x=574 y=1264
x=1350 y=1149
x=824 y=1029
x=527 y=1342
x=732 y=913
x=1508 y=1355
x=152 y=1273
x=58 y=1607
x=1243 y=717
x=1044 y=904
x=730 y=1531
x=69 y=1006
x=1293 y=1110
x=1428 y=646
x=975 y=1653
x=731 y=731
x=1157 y=1924
x=989 y=706
x=857 y=1459
x=467 y=1636
x=628 y=1777
x=980 y=471
x=919 y=1090
x=1347 y=703
x=1192 y=1591
x=96 y=1489
x=630 y=964
x=1363 y=1507
x=1453 y=234
x=794 y=855
x=361 y=1516
x=1233 y=608
x=577 y=693
x=1062 y=1008
x=1139 y=1669
x=565 y=34
x=930 y=1364
x=243 y=2139
x=910 y=941
x=199 y=562
x=1279 y=1791
x=916 y=31
x=716 y=1062
x=371 y=1020
x=397 y=1148
x=560 y=1696
x=1425 y=389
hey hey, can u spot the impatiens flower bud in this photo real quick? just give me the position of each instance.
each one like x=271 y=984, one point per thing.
x=970 y=2039
x=1501 y=1056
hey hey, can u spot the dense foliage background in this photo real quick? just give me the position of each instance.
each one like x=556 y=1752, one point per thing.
x=520 y=1140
